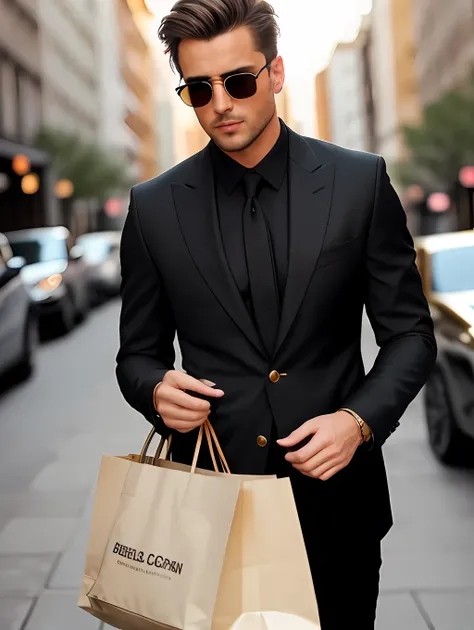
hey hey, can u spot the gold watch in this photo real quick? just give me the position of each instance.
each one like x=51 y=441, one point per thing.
x=365 y=430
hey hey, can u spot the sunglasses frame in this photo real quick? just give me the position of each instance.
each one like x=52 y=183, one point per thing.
x=180 y=88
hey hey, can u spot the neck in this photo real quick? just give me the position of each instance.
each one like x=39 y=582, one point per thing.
x=254 y=154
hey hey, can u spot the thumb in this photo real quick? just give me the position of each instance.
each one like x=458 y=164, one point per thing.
x=298 y=435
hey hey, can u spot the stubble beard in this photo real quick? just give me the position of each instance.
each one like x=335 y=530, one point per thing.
x=249 y=141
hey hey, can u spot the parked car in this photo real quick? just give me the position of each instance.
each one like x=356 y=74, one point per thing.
x=18 y=324
x=55 y=273
x=446 y=263
x=102 y=254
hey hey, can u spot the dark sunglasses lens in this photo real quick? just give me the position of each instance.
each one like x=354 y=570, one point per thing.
x=196 y=94
x=241 y=85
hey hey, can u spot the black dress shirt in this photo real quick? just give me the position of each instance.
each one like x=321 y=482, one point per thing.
x=273 y=198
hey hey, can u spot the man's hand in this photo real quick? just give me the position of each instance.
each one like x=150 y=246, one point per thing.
x=181 y=411
x=336 y=437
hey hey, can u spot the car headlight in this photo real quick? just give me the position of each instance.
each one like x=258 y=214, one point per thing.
x=109 y=269
x=467 y=336
x=51 y=283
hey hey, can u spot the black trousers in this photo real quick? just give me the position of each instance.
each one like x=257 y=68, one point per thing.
x=345 y=565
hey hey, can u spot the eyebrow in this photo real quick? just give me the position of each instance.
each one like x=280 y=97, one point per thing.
x=223 y=76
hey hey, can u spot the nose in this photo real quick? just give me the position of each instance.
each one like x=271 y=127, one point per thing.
x=221 y=101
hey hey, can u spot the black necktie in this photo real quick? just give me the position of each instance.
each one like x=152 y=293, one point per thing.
x=260 y=264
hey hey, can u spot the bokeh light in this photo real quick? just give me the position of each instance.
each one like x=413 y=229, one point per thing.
x=21 y=164
x=30 y=184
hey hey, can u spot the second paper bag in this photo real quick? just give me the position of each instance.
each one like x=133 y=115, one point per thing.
x=196 y=550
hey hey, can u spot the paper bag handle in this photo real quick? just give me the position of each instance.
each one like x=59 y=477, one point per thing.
x=159 y=449
x=213 y=442
x=206 y=429
x=212 y=438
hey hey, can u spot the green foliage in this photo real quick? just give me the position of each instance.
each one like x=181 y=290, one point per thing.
x=442 y=144
x=94 y=173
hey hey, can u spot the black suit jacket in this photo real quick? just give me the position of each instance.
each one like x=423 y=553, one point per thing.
x=349 y=248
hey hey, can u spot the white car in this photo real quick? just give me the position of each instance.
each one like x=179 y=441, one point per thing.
x=55 y=274
x=18 y=323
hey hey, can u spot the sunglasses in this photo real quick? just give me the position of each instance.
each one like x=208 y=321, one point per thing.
x=239 y=85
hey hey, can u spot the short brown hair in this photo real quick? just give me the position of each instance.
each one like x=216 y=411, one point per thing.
x=205 y=19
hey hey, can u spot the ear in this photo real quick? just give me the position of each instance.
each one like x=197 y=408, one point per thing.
x=278 y=74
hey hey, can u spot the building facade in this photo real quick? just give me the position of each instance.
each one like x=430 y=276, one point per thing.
x=20 y=118
x=114 y=134
x=323 y=120
x=283 y=103
x=444 y=33
x=394 y=80
x=344 y=85
x=368 y=89
x=190 y=137
x=138 y=75
x=70 y=66
x=20 y=80
x=166 y=102
x=344 y=95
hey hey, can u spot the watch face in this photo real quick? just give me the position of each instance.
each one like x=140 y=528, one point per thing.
x=367 y=432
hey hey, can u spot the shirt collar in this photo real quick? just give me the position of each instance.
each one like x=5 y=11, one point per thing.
x=272 y=168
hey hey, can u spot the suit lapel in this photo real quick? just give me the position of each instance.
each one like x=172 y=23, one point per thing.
x=197 y=215
x=311 y=186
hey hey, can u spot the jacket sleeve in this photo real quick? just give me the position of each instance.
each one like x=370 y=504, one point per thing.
x=399 y=315
x=147 y=327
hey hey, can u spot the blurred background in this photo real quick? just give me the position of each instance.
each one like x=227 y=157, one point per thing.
x=87 y=109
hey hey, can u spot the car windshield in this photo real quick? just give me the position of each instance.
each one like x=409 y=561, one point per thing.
x=39 y=249
x=96 y=249
x=453 y=270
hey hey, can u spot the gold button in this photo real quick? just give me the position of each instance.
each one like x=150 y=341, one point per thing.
x=262 y=441
x=274 y=376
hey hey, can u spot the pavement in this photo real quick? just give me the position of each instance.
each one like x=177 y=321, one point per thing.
x=55 y=427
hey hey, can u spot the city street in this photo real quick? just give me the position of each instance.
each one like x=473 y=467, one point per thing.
x=55 y=427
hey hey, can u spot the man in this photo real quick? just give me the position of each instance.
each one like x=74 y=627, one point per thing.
x=261 y=252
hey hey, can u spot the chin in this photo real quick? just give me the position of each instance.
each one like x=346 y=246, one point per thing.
x=232 y=144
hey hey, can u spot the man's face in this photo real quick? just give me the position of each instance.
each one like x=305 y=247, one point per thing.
x=246 y=118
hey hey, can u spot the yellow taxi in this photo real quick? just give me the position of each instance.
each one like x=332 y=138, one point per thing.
x=446 y=264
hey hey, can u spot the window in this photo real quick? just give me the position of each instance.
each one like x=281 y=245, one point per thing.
x=9 y=93
x=30 y=100
x=452 y=270
x=96 y=249
x=45 y=248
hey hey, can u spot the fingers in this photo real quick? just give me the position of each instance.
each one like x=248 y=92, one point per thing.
x=181 y=419
x=181 y=411
x=319 y=464
x=172 y=391
x=206 y=382
x=186 y=417
x=183 y=381
x=324 y=465
x=182 y=414
x=302 y=432
x=308 y=452
x=183 y=426
x=326 y=472
x=179 y=398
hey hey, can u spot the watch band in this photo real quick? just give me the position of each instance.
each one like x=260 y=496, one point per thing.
x=365 y=431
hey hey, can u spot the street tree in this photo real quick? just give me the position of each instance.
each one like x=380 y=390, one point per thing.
x=441 y=144
x=95 y=173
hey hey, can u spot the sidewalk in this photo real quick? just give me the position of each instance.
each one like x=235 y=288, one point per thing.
x=428 y=572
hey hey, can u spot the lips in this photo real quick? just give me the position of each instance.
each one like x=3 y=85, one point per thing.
x=230 y=126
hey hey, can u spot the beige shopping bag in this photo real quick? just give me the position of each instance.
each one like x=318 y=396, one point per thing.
x=173 y=546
